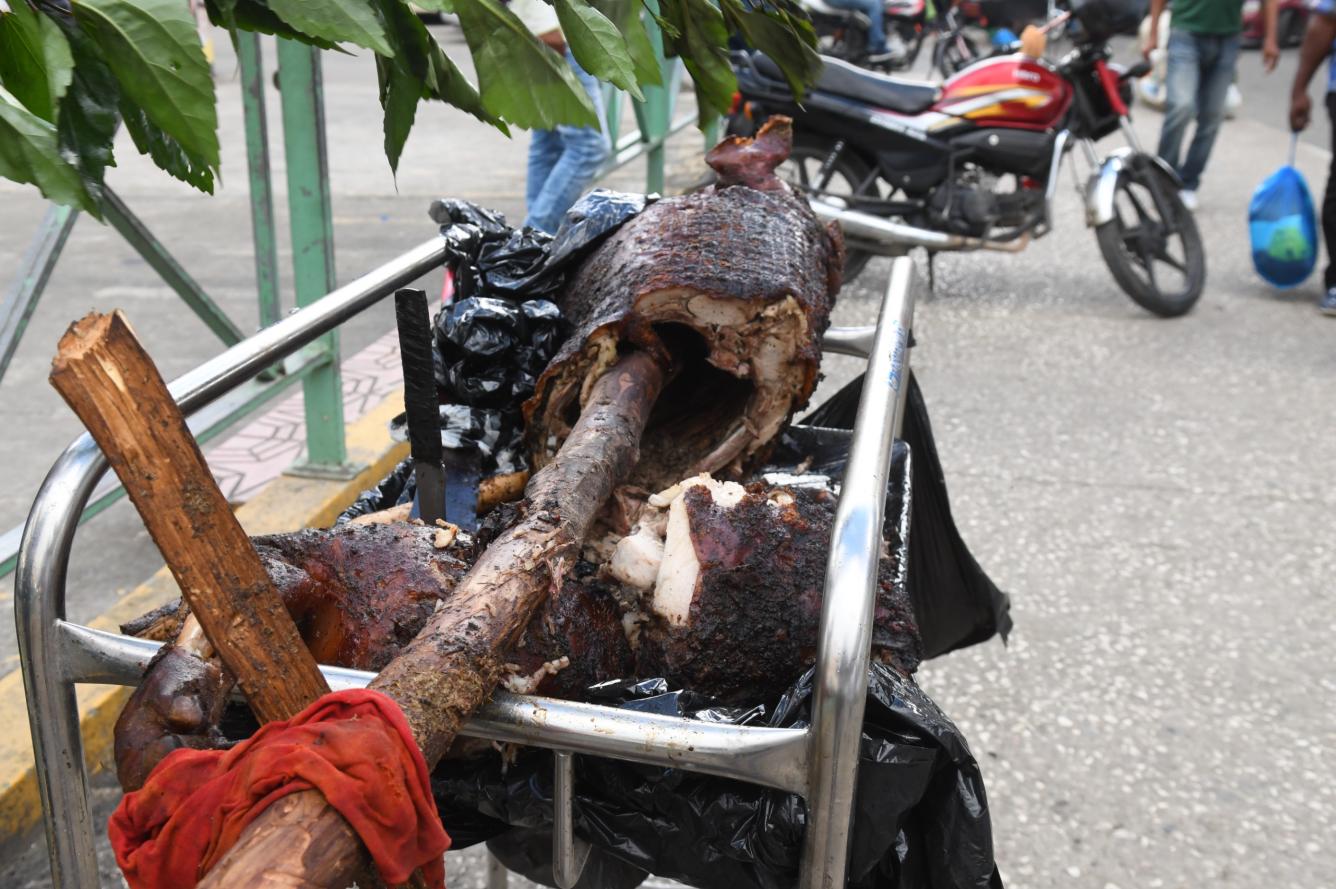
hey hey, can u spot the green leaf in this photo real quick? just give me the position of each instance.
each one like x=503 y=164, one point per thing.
x=418 y=70
x=154 y=51
x=400 y=93
x=346 y=21
x=35 y=62
x=521 y=80
x=597 y=44
x=786 y=38
x=445 y=6
x=702 y=45
x=625 y=15
x=447 y=83
x=250 y=15
x=88 y=117
x=169 y=154
x=28 y=154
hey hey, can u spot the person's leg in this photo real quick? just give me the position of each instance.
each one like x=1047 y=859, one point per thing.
x=544 y=152
x=582 y=152
x=875 y=10
x=1181 y=78
x=1329 y=200
x=1217 y=73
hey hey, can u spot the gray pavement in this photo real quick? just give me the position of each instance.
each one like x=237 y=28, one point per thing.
x=1156 y=496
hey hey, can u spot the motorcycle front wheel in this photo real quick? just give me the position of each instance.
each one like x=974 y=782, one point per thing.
x=1152 y=245
x=847 y=177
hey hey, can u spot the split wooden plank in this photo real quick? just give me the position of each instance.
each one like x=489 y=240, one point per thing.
x=105 y=375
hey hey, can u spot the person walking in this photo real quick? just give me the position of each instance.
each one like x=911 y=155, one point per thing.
x=1319 y=41
x=1203 y=57
x=564 y=160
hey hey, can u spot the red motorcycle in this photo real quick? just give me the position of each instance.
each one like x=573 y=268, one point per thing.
x=974 y=164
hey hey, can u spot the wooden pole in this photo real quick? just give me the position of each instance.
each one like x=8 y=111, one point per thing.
x=104 y=374
x=455 y=662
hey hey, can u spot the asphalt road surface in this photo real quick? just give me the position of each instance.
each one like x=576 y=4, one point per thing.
x=1156 y=496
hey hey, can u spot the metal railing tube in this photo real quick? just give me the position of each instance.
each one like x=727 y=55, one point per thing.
x=840 y=681
x=775 y=757
x=855 y=341
x=211 y=379
x=39 y=585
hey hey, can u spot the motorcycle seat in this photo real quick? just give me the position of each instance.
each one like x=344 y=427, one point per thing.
x=852 y=82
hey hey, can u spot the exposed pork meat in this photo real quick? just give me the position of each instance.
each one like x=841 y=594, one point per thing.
x=736 y=283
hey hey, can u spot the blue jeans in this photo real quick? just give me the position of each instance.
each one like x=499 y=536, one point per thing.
x=1201 y=68
x=563 y=161
x=875 y=10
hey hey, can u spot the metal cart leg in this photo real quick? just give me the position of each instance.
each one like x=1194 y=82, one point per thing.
x=497 y=875
x=569 y=854
x=840 y=683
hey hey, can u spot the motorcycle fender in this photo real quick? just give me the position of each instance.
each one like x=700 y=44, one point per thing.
x=1103 y=185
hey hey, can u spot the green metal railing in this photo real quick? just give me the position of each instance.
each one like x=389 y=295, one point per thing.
x=311 y=229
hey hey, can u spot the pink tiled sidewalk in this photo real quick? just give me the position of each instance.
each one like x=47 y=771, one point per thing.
x=256 y=454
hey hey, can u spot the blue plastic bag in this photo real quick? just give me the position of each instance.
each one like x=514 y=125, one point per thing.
x=1283 y=227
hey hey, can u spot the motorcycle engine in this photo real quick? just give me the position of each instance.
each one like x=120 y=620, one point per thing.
x=976 y=202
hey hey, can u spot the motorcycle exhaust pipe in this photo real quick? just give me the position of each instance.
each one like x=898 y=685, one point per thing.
x=887 y=238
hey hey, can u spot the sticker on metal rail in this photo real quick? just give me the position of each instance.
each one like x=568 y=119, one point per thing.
x=898 y=357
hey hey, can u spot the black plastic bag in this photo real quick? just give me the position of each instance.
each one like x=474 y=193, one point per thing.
x=494 y=434
x=492 y=259
x=392 y=490
x=489 y=352
x=955 y=602
x=921 y=814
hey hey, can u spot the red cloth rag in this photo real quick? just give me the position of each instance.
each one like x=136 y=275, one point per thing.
x=354 y=746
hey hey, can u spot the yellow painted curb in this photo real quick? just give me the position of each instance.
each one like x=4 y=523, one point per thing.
x=285 y=504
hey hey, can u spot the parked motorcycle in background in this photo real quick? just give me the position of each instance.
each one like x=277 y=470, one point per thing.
x=842 y=33
x=974 y=164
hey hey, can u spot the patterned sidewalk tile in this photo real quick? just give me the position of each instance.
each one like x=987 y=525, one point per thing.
x=258 y=452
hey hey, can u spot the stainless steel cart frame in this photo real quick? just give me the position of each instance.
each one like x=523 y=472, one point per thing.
x=818 y=762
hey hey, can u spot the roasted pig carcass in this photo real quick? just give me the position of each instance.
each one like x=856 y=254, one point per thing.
x=735 y=282
x=718 y=589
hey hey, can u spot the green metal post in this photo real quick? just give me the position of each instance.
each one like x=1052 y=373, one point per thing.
x=36 y=270
x=612 y=101
x=261 y=189
x=653 y=114
x=139 y=237
x=711 y=133
x=312 y=226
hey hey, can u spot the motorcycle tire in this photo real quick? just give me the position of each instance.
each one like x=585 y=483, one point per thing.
x=1135 y=241
x=953 y=52
x=809 y=152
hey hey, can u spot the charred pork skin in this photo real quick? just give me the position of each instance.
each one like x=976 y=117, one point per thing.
x=735 y=282
x=357 y=594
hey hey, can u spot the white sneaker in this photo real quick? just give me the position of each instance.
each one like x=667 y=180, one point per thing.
x=1189 y=197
